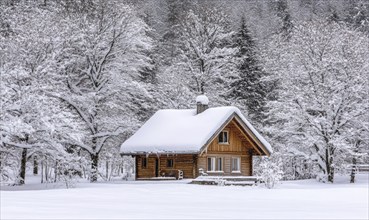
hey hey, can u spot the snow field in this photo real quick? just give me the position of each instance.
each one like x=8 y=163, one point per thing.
x=305 y=199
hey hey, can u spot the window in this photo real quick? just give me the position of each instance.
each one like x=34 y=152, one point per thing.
x=211 y=163
x=223 y=137
x=236 y=164
x=219 y=164
x=170 y=163
x=215 y=164
x=144 y=163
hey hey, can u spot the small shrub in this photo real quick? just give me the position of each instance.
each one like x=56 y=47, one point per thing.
x=271 y=173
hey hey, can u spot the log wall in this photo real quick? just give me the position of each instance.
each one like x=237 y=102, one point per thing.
x=184 y=162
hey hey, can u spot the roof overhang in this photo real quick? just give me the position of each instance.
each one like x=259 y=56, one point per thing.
x=157 y=153
x=258 y=144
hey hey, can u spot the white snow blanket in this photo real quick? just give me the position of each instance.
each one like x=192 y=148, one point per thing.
x=202 y=99
x=302 y=199
x=182 y=131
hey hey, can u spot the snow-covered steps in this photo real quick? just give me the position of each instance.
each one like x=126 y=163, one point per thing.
x=158 y=178
x=226 y=180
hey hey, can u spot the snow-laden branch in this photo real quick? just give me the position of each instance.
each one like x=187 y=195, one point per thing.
x=22 y=145
x=82 y=145
x=100 y=143
x=81 y=113
x=104 y=136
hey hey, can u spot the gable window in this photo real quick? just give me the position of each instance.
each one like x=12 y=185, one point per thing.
x=144 y=163
x=223 y=137
x=215 y=164
x=170 y=163
x=236 y=164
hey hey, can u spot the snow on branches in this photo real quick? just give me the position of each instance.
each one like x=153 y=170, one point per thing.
x=322 y=76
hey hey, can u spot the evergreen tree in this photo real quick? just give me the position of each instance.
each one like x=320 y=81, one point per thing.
x=176 y=13
x=281 y=8
x=248 y=89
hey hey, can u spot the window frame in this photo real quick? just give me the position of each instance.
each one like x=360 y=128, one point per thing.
x=172 y=163
x=216 y=164
x=227 y=136
x=212 y=164
x=238 y=164
x=219 y=166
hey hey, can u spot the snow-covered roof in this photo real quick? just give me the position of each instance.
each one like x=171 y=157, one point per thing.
x=183 y=131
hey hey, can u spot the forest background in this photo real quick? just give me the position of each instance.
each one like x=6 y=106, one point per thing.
x=79 y=77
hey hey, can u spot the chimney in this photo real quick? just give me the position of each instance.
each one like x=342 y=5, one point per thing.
x=202 y=103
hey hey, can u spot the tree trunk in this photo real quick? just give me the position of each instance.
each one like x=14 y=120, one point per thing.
x=50 y=173
x=35 y=165
x=94 y=167
x=329 y=163
x=107 y=169
x=111 y=171
x=331 y=174
x=22 y=173
x=84 y=172
x=42 y=171
x=46 y=171
x=56 y=171
x=353 y=170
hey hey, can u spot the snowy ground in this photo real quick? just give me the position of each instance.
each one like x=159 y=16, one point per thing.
x=305 y=199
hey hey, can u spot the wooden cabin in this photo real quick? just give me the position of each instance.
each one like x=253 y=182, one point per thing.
x=203 y=141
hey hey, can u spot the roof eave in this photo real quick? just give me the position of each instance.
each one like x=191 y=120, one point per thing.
x=134 y=153
x=258 y=142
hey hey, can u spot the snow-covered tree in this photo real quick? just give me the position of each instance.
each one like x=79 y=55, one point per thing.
x=322 y=76
x=104 y=53
x=29 y=119
x=270 y=172
x=247 y=89
x=176 y=11
x=357 y=15
x=173 y=90
x=206 y=52
x=282 y=12
x=78 y=77
x=24 y=54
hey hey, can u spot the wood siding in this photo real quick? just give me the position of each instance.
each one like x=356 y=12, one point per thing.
x=238 y=146
x=185 y=162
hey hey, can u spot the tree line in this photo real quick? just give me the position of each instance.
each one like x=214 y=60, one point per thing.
x=79 y=77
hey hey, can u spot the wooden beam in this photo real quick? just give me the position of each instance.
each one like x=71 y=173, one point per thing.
x=247 y=129
x=252 y=143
